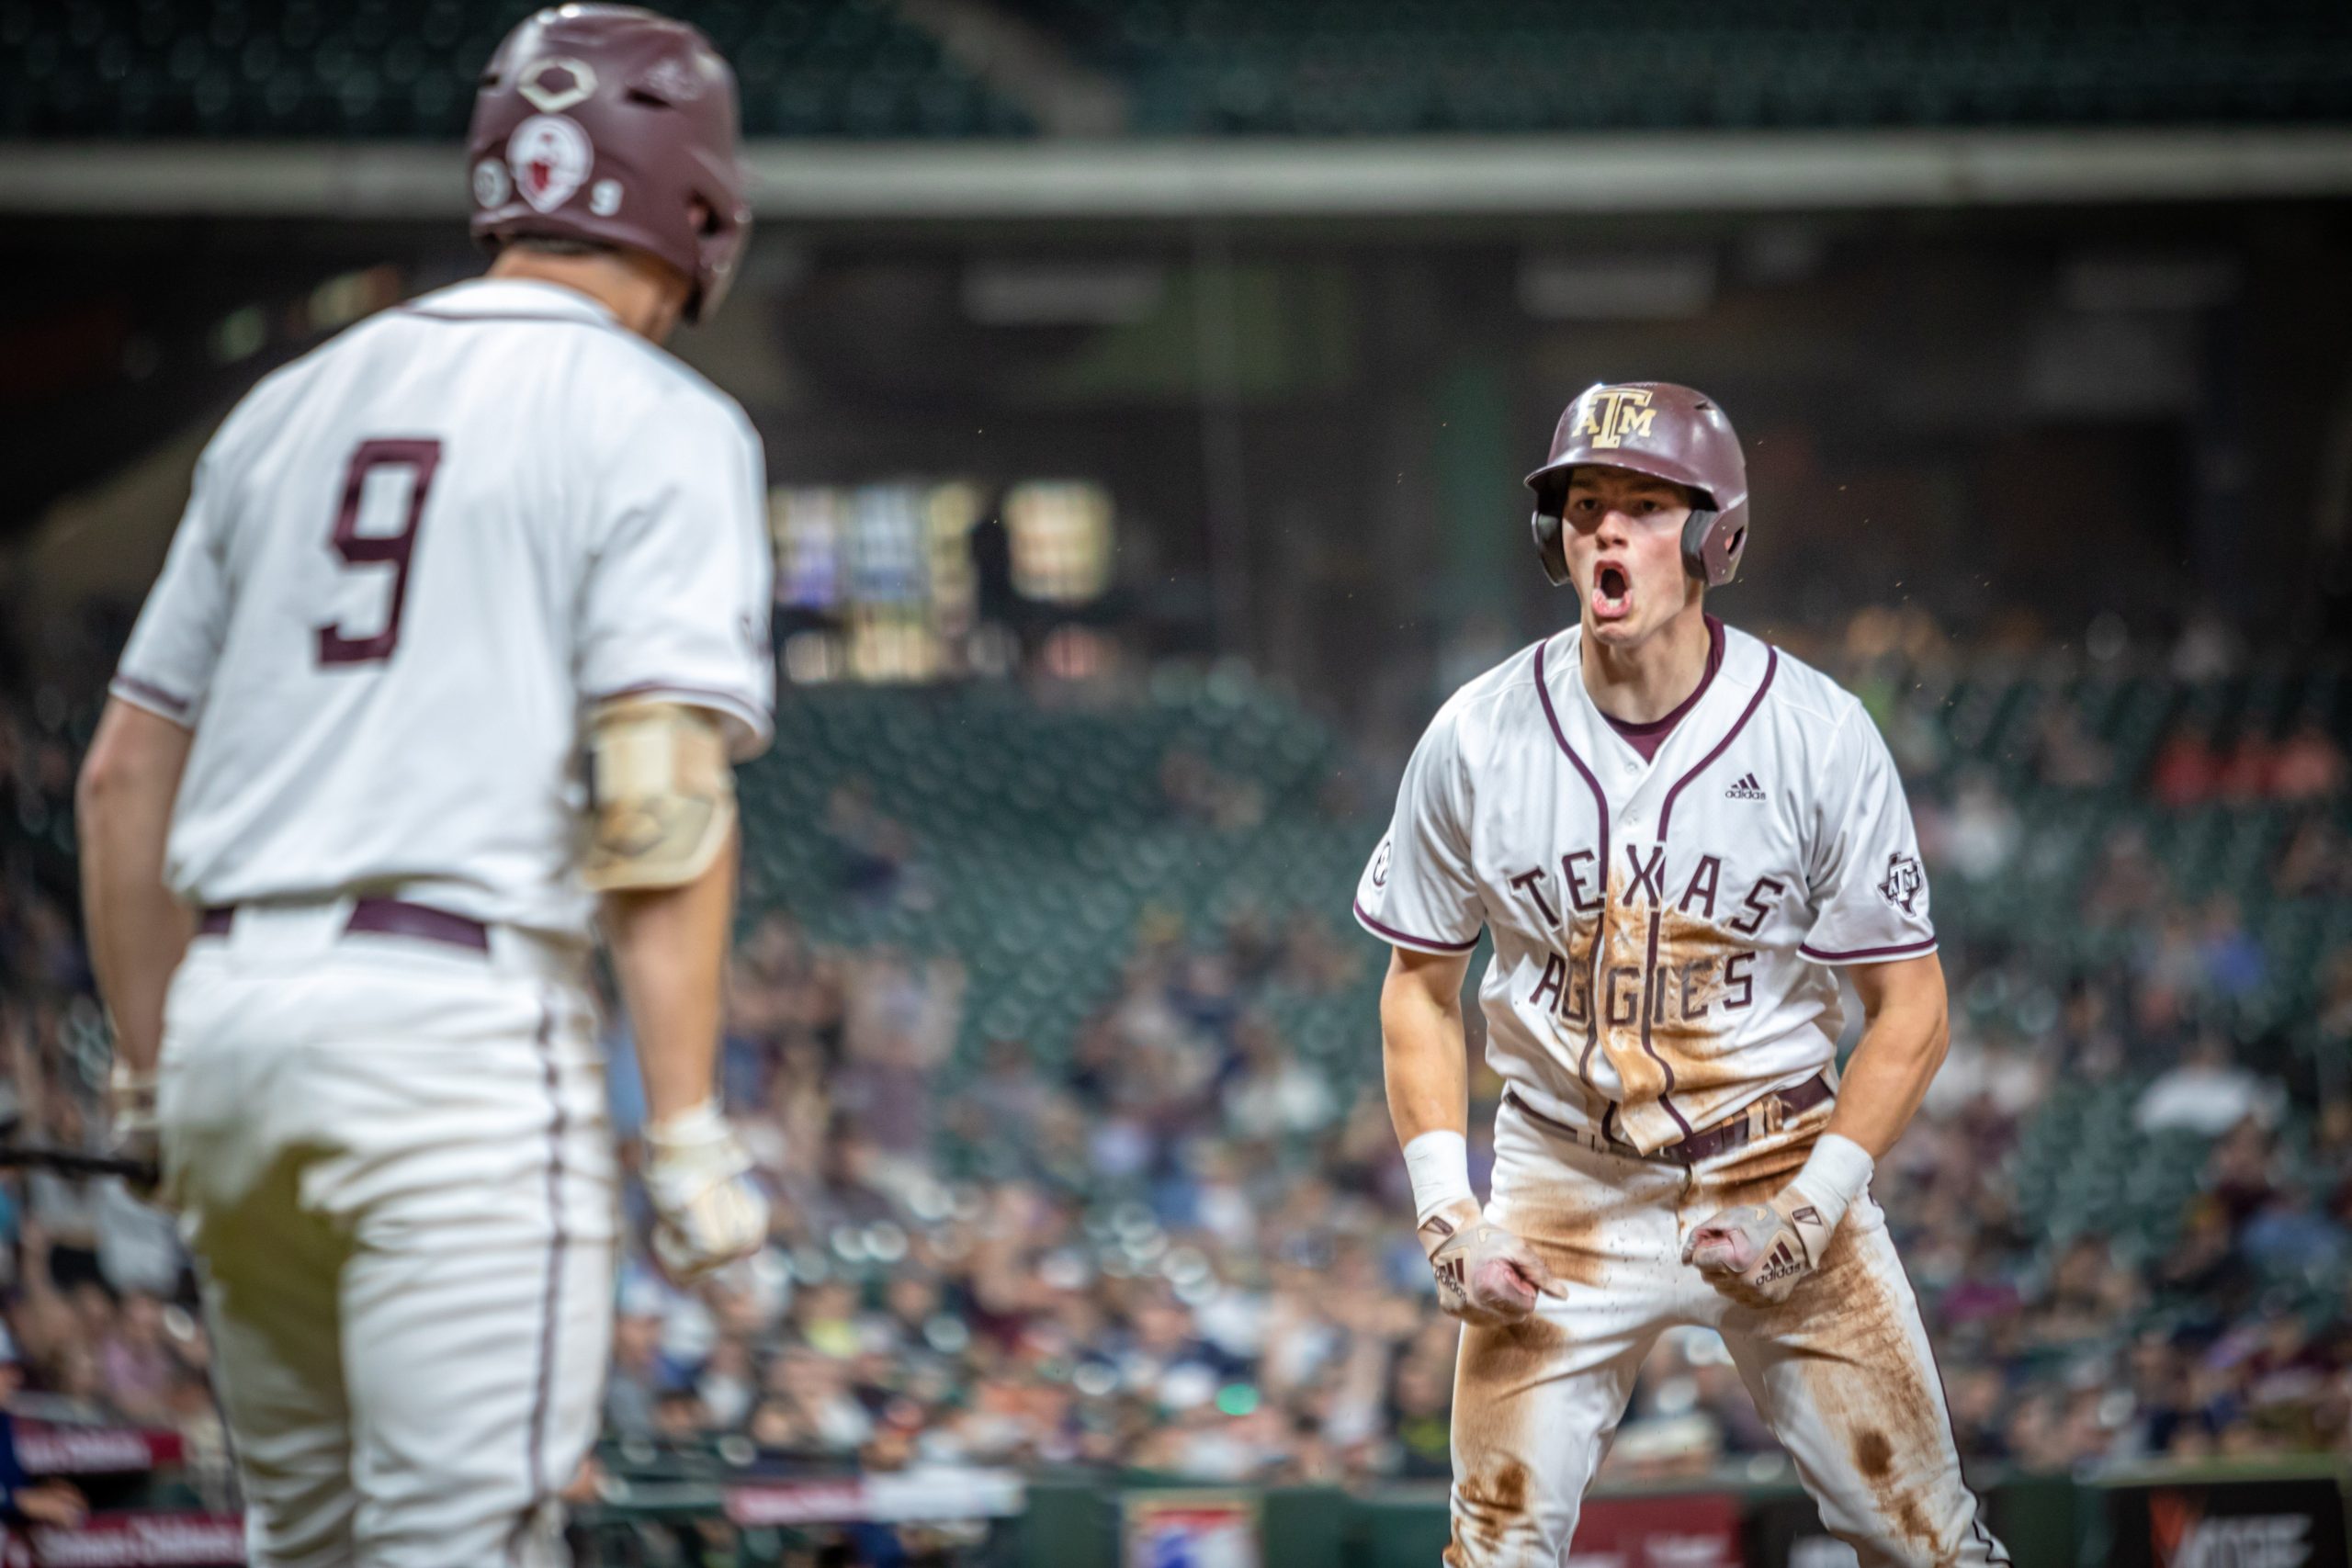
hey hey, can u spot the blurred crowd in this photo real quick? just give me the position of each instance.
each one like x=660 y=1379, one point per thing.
x=1179 y=1246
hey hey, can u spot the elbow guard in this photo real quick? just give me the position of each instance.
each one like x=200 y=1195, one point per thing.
x=661 y=795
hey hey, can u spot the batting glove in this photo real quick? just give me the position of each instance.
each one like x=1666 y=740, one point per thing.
x=1759 y=1251
x=708 y=1212
x=1763 y=1248
x=131 y=1128
x=1485 y=1274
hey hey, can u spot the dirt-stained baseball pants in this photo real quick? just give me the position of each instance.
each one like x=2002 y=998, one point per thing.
x=1841 y=1370
x=392 y=1161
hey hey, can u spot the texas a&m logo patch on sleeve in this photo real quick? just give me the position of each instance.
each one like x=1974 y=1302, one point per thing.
x=1904 y=882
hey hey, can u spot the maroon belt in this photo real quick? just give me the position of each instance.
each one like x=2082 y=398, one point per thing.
x=1726 y=1135
x=381 y=917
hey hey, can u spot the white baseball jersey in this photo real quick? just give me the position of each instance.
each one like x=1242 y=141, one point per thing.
x=1664 y=931
x=413 y=561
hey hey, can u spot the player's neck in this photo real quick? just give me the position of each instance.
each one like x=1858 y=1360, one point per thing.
x=1652 y=677
x=644 y=295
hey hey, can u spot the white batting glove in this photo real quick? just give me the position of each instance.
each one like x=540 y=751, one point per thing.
x=1759 y=1251
x=132 y=1129
x=708 y=1212
x=1764 y=1247
x=1485 y=1274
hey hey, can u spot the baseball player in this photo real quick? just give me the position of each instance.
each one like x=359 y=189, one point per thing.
x=465 y=620
x=1677 y=836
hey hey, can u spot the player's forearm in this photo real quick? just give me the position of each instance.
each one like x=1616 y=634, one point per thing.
x=669 y=949
x=137 y=930
x=1901 y=1048
x=1424 y=1059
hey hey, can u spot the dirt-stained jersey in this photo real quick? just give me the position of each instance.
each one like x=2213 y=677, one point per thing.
x=412 y=562
x=1664 y=931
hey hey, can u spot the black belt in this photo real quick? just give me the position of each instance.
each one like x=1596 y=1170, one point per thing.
x=1726 y=1135
x=381 y=917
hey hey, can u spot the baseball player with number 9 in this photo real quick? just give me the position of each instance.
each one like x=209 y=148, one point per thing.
x=1678 y=837
x=465 y=622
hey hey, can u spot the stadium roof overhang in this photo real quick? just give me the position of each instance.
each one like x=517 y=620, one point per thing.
x=1244 y=178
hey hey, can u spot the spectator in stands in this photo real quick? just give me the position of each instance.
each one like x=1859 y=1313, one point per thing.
x=22 y=1499
x=2232 y=958
x=2204 y=1264
x=2308 y=765
x=1272 y=1093
x=2066 y=755
x=634 y=1386
x=2290 y=1236
x=871 y=848
x=813 y=1392
x=135 y=1364
x=1011 y=1095
x=1978 y=837
x=2169 y=971
x=2243 y=773
x=2186 y=772
x=2317 y=861
x=2208 y=1093
x=2126 y=882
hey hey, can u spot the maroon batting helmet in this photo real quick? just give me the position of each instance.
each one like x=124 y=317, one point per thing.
x=614 y=125
x=1668 y=433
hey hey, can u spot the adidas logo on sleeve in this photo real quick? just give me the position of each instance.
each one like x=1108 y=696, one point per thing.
x=1746 y=789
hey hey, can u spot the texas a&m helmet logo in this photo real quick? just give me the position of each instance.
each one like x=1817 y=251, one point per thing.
x=1615 y=416
x=1904 y=882
x=550 y=156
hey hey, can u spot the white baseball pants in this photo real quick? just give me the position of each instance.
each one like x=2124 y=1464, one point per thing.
x=392 y=1161
x=1842 y=1370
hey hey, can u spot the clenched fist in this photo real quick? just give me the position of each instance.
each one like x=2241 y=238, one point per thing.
x=708 y=1211
x=1485 y=1274
x=1762 y=1248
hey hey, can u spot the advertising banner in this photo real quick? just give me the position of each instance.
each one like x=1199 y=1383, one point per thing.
x=130 y=1540
x=94 y=1450
x=2228 y=1524
x=1693 y=1530
x=1190 y=1529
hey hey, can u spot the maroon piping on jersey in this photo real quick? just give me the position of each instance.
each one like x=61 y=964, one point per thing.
x=1664 y=812
x=1647 y=736
x=1649 y=1005
x=1771 y=667
x=1408 y=939
x=1897 y=951
x=1600 y=803
x=131 y=685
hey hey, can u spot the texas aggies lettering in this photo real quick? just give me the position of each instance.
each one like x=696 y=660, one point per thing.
x=1664 y=948
x=1677 y=838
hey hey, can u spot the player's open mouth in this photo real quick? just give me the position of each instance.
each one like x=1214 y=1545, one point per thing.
x=1613 y=592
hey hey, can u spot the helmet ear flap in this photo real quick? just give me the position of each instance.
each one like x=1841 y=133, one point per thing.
x=1694 y=543
x=1549 y=548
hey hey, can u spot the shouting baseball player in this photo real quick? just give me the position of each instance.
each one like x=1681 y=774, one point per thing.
x=1677 y=835
x=465 y=620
